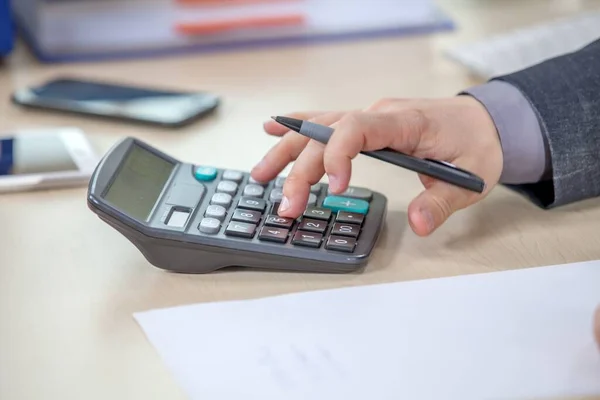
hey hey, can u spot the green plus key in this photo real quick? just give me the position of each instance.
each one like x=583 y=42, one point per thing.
x=339 y=203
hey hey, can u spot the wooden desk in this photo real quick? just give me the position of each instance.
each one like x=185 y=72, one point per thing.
x=69 y=284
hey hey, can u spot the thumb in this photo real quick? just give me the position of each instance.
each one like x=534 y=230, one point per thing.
x=434 y=206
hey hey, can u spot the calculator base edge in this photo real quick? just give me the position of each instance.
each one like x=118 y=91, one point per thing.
x=186 y=258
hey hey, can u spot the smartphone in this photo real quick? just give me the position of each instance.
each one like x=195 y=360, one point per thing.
x=117 y=101
x=45 y=159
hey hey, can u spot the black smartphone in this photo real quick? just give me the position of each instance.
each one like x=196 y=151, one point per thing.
x=117 y=101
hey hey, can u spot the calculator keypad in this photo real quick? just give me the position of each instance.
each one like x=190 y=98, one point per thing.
x=239 y=207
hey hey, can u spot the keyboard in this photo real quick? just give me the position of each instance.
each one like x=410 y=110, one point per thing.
x=509 y=52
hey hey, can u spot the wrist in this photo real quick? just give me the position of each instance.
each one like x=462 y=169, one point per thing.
x=518 y=129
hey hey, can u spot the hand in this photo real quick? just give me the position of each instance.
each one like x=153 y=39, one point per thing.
x=457 y=130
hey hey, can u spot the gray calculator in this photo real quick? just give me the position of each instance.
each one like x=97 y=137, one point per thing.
x=191 y=218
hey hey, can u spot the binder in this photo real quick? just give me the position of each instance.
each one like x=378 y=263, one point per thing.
x=6 y=29
x=84 y=30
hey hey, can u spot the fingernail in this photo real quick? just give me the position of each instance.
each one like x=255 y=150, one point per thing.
x=428 y=217
x=285 y=204
x=334 y=182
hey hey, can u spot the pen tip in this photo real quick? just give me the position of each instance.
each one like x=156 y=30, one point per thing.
x=274 y=118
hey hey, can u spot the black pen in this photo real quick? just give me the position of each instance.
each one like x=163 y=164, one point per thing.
x=440 y=170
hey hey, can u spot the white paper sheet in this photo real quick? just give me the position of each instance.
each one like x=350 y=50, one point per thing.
x=510 y=335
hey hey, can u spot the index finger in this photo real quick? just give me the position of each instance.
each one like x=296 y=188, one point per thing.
x=368 y=131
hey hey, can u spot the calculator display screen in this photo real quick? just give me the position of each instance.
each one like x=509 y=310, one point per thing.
x=139 y=182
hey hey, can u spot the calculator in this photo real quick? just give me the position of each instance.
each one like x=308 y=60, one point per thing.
x=193 y=218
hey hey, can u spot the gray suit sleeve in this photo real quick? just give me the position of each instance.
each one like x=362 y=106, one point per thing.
x=523 y=146
x=564 y=93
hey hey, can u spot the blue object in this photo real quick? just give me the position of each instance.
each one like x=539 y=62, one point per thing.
x=6 y=29
x=338 y=203
x=205 y=173
x=6 y=156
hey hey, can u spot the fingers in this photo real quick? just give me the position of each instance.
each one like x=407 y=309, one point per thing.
x=288 y=148
x=368 y=131
x=280 y=155
x=435 y=205
x=273 y=128
x=307 y=171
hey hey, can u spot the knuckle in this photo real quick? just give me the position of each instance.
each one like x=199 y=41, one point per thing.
x=384 y=103
x=444 y=206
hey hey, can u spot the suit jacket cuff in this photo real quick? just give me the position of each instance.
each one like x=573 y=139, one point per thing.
x=523 y=144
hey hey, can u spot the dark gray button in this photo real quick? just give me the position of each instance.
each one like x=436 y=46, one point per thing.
x=276 y=195
x=313 y=225
x=339 y=243
x=243 y=215
x=317 y=213
x=234 y=176
x=252 y=203
x=240 y=229
x=316 y=188
x=345 y=229
x=254 y=191
x=275 y=208
x=209 y=225
x=356 y=193
x=281 y=222
x=185 y=195
x=272 y=234
x=349 y=217
x=308 y=239
x=312 y=199
x=228 y=187
x=215 y=211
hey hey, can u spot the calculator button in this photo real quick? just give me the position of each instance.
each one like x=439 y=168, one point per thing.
x=228 y=187
x=240 y=229
x=252 y=204
x=242 y=215
x=317 y=213
x=345 y=229
x=349 y=217
x=205 y=173
x=309 y=239
x=312 y=199
x=276 y=195
x=356 y=193
x=221 y=199
x=273 y=234
x=275 y=208
x=254 y=191
x=280 y=181
x=234 y=176
x=280 y=222
x=316 y=188
x=209 y=225
x=255 y=182
x=339 y=243
x=338 y=203
x=215 y=211
x=313 y=225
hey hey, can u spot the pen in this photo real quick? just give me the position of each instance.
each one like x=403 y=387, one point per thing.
x=441 y=170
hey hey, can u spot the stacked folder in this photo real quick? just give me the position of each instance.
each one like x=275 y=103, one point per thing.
x=63 y=30
x=6 y=29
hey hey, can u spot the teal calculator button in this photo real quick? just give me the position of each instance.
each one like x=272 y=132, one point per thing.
x=338 y=203
x=205 y=173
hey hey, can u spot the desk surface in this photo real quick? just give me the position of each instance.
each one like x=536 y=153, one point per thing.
x=66 y=303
